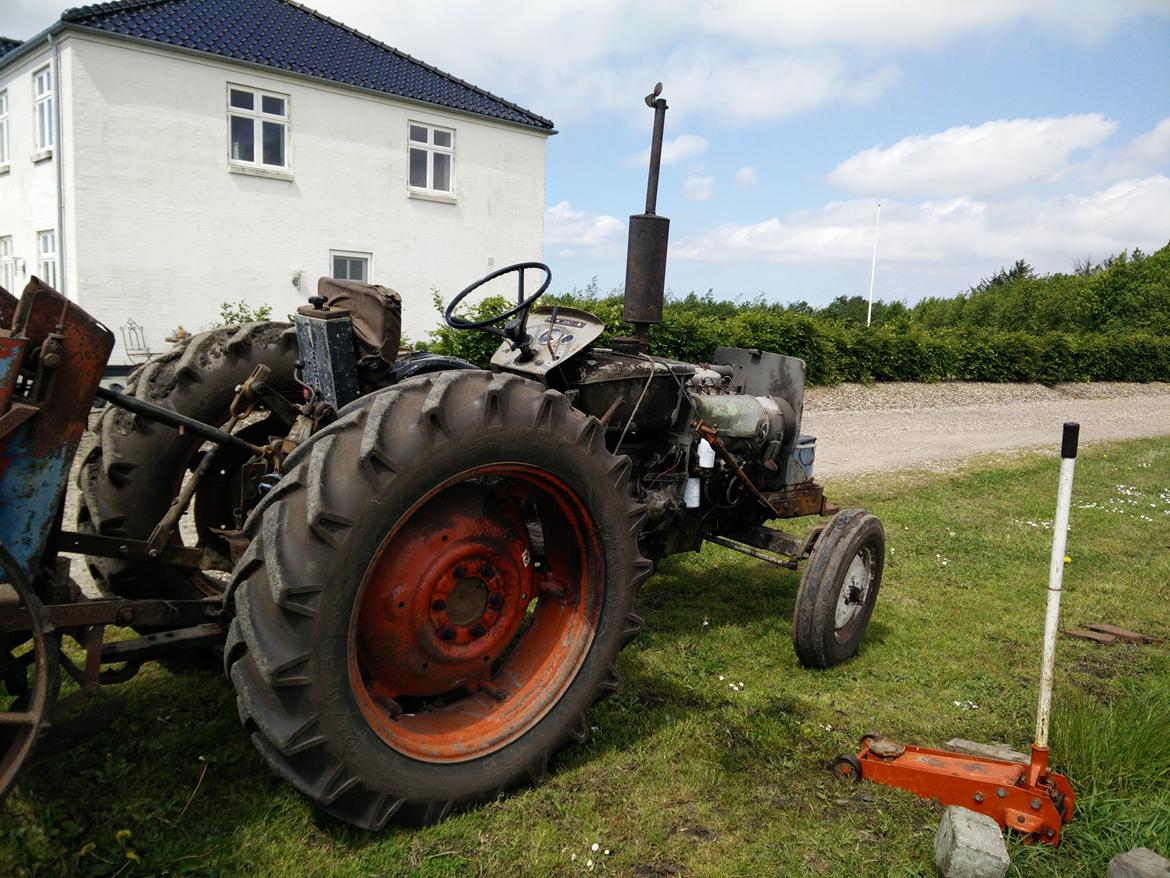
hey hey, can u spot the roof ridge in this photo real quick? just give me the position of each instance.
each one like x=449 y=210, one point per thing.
x=376 y=42
x=79 y=13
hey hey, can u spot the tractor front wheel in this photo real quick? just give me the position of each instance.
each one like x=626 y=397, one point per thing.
x=435 y=594
x=838 y=589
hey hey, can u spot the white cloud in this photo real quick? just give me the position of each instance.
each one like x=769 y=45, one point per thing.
x=997 y=156
x=685 y=146
x=698 y=187
x=566 y=226
x=747 y=176
x=1050 y=232
x=1145 y=153
x=738 y=60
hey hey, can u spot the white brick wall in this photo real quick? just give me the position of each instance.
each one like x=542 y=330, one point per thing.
x=164 y=233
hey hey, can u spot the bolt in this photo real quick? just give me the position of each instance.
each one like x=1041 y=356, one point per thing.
x=447 y=633
x=1051 y=833
x=1001 y=792
x=1035 y=804
x=153 y=553
x=486 y=570
x=496 y=600
x=460 y=571
x=439 y=605
x=978 y=797
x=126 y=614
x=478 y=630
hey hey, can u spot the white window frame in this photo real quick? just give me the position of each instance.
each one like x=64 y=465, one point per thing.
x=4 y=128
x=368 y=258
x=259 y=117
x=47 y=257
x=431 y=149
x=7 y=264
x=44 y=135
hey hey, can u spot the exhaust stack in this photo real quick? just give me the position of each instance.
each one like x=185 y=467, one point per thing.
x=646 y=252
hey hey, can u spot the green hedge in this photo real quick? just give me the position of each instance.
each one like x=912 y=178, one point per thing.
x=837 y=351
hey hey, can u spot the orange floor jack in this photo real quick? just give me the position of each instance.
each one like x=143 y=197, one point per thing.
x=1024 y=797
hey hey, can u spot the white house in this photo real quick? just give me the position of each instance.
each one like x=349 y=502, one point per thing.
x=161 y=157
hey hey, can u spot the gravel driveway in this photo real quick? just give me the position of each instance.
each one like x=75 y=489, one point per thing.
x=864 y=429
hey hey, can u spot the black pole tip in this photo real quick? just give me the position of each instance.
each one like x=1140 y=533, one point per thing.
x=1068 y=443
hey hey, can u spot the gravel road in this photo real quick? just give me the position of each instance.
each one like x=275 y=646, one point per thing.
x=871 y=429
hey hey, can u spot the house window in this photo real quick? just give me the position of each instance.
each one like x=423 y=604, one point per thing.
x=47 y=257
x=3 y=128
x=43 y=112
x=7 y=264
x=350 y=266
x=257 y=128
x=432 y=159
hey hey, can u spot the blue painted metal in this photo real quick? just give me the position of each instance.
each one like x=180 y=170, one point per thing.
x=51 y=359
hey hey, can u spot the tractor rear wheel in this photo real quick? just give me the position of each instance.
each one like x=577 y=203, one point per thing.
x=435 y=594
x=138 y=465
x=838 y=589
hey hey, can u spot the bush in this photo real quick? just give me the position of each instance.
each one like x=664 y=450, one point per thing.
x=1109 y=322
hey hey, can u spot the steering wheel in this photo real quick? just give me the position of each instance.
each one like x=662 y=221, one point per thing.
x=516 y=328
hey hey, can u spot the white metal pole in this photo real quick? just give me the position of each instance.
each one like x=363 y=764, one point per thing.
x=1068 y=460
x=873 y=265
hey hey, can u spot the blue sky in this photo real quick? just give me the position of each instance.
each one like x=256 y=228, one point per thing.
x=990 y=131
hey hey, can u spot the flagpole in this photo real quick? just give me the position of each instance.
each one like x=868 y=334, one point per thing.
x=873 y=266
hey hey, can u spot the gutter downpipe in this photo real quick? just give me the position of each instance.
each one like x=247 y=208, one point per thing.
x=59 y=161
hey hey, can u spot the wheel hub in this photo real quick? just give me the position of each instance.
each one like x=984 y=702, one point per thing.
x=449 y=595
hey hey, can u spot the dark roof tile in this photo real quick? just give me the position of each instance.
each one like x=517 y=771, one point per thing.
x=284 y=35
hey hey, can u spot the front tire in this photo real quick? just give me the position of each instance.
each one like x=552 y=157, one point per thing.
x=838 y=589
x=435 y=594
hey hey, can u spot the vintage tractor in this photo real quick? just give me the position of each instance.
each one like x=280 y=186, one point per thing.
x=420 y=572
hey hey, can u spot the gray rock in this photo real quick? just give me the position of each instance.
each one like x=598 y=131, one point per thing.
x=969 y=845
x=1139 y=863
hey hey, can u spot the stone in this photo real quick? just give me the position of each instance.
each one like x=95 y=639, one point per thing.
x=1139 y=863
x=987 y=751
x=969 y=845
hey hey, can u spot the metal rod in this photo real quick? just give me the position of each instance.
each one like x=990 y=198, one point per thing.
x=873 y=265
x=763 y=556
x=1068 y=460
x=174 y=419
x=659 y=106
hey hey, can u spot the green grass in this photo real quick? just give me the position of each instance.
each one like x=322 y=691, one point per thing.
x=684 y=775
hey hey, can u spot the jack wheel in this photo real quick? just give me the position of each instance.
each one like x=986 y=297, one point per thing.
x=847 y=767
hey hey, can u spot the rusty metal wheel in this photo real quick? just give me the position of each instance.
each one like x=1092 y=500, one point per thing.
x=435 y=594
x=838 y=589
x=28 y=671
x=847 y=767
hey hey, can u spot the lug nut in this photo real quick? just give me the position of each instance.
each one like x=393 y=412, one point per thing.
x=447 y=633
x=496 y=600
x=460 y=571
x=478 y=631
x=439 y=605
x=486 y=570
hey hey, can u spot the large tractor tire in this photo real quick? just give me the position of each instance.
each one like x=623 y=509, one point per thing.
x=130 y=477
x=435 y=594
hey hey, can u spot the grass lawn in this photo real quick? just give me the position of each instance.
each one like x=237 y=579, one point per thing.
x=685 y=775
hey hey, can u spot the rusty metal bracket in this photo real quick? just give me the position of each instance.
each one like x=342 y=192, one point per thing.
x=116 y=611
x=138 y=550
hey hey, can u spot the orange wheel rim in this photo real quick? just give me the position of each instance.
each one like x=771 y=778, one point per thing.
x=476 y=613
